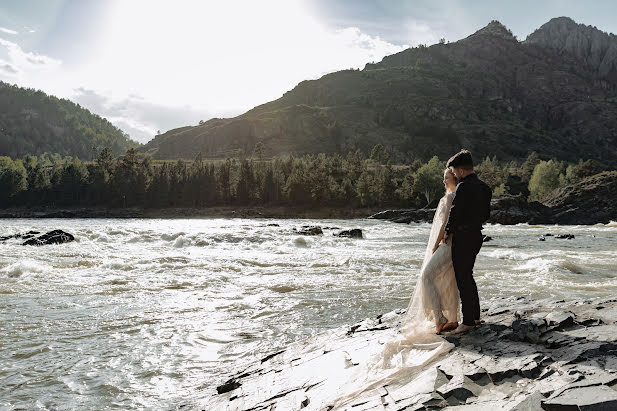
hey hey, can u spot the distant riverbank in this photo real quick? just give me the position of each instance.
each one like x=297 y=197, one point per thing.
x=209 y=212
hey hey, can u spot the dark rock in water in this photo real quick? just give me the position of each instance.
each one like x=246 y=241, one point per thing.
x=51 y=237
x=24 y=236
x=309 y=230
x=406 y=216
x=541 y=239
x=487 y=238
x=272 y=225
x=331 y=228
x=565 y=236
x=353 y=233
x=548 y=235
x=230 y=385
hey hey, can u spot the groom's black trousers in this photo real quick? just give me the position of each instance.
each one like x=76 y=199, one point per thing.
x=465 y=247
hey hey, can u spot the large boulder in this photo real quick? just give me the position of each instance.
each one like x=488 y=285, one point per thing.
x=51 y=237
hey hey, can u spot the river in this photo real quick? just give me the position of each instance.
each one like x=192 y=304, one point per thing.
x=147 y=313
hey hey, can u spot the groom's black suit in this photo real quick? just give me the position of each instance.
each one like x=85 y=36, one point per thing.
x=470 y=209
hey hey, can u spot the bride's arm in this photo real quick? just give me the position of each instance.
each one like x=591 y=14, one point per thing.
x=443 y=214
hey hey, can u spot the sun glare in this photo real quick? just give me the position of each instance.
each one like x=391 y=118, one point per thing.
x=228 y=54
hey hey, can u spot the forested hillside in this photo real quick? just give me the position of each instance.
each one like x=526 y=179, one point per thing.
x=33 y=123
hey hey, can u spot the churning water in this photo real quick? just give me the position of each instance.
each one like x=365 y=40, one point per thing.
x=154 y=313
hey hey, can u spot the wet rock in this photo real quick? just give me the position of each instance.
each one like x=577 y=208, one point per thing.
x=353 y=233
x=565 y=236
x=583 y=398
x=230 y=385
x=541 y=239
x=487 y=238
x=530 y=355
x=23 y=236
x=51 y=237
x=309 y=230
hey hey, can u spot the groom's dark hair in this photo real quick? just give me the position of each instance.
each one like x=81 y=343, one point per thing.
x=461 y=159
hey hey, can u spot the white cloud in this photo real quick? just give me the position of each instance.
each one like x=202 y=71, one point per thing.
x=8 y=31
x=26 y=65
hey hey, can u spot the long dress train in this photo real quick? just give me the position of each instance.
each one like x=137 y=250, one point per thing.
x=416 y=344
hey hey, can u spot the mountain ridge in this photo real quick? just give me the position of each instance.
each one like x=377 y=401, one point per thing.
x=487 y=92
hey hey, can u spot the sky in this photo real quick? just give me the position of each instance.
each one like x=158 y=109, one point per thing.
x=154 y=65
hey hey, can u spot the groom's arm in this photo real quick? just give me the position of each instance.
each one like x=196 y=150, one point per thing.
x=456 y=210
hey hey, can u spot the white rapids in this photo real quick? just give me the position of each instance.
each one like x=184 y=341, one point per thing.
x=151 y=313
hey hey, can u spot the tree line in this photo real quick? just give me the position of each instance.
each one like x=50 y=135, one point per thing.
x=354 y=180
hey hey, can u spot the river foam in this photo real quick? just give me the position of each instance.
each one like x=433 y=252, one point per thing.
x=144 y=313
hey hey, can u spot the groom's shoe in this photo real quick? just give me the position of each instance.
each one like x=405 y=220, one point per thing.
x=462 y=328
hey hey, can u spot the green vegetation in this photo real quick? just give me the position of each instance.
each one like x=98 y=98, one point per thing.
x=549 y=175
x=135 y=180
x=33 y=123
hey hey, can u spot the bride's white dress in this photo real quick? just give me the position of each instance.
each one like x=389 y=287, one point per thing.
x=416 y=344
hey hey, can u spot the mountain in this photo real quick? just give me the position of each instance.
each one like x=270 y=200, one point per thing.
x=596 y=48
x=488 y=92
x=32 y=122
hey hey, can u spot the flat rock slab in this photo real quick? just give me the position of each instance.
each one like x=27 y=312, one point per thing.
x=530 y=355
x=596 y=398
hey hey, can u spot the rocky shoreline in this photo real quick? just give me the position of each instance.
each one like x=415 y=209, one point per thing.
x=591 y=201
x=528 y=355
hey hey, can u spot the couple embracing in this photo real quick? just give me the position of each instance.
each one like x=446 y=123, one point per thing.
x=446 y=278
x=444 y=285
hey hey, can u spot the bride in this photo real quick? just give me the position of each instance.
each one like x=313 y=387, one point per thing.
x=435 y=305
x=436 y=298
x=434 y=308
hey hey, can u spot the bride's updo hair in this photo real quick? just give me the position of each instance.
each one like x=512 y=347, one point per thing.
x=449 y=171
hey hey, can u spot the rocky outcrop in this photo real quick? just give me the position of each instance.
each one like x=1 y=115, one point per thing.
x=504 y=210
x=591 y=201
x=509 y=209
x=592 y=46
x=51 y=237
x=528 y=355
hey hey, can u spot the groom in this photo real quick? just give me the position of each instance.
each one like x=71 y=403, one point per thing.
x=470 y=209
